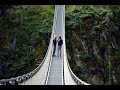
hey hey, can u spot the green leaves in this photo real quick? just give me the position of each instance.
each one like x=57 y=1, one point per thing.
x=117 y=56
x=96 y=27
x=113 y=28
x=85 y=57
x=29 y=32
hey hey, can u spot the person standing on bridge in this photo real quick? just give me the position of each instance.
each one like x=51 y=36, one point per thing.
x=54 y=45
x=60 y=42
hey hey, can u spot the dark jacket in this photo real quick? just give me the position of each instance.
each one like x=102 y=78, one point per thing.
x=60 y=42
x=54 y=42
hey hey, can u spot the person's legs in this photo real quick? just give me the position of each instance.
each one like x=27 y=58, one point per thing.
x=58 y=50
x=54 y=49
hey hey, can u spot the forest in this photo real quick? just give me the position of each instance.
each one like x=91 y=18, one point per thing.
x=92 y=35
x=24 y=37
x=93 y=42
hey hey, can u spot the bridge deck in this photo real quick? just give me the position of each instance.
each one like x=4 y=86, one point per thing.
x=56 y=70
x=55 y=76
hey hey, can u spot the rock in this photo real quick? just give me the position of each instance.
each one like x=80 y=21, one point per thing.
x=97 y=80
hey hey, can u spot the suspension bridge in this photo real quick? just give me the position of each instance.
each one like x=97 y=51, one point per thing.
x=52 y=70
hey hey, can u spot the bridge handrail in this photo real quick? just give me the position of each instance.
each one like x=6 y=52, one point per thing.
x=76 y=79
x=25 y=77
x=52 y=36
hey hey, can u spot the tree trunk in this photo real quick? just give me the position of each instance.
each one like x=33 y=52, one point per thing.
x=14 y=49
x=1 y=69
x=109 y=58
x=114 y=45
x=109 y=62
x=114 y=78
x=15 y=39
x=82 y=42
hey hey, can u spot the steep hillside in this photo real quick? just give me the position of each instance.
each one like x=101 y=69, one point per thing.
x=93 y=42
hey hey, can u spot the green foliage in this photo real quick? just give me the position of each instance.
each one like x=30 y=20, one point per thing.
x=72 y=21
x=35 y=29
x=94 y=25
x=84 y=56
x=117 y=56
x=101 y=45
x=113 y=28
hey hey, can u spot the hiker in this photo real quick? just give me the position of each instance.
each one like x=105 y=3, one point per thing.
x=60 y=42
x=54 y=45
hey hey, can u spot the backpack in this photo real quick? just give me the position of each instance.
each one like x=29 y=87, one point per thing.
x=60 y=42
